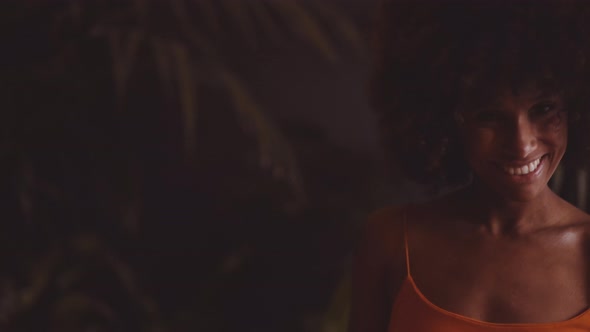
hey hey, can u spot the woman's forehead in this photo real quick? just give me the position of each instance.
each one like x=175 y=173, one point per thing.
x=510 y=95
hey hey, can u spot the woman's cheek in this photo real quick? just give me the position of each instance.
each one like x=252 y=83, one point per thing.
x=556 y=129
x=557 y=122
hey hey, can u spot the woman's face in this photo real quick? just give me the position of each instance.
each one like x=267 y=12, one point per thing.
x=514 y=143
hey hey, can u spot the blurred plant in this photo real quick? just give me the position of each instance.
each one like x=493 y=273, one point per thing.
x=196 y=51
x=73 y=162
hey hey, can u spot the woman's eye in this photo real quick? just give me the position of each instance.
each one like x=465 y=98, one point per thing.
x=543 y=109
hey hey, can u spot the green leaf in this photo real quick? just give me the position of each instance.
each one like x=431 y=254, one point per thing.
x=163 y=60
x=194 y=36
x=88 y=244
x=269 y=26
x=274 y=148
x=210 y=15
x=75 y=306
x=40 y=278
x=238 y=10
x=187 y=86
x=124 y=47
x=343 y=25
x=126 y=276
x=304 y=24
x=336 y=317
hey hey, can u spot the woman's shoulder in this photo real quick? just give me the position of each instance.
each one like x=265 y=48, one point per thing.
x=383 y=231
x=387 y=216
x=389 y=221
x=395 y=216
x=387 y=225
x=579 y=219
x=574 y=217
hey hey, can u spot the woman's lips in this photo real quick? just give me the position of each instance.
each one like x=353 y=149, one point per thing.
x=524 y=169
x=525 y=173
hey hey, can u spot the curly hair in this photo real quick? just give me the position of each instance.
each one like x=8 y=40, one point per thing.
x=430 y=56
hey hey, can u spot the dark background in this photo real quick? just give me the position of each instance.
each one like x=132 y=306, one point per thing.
x=198 y=165
x=201 y=165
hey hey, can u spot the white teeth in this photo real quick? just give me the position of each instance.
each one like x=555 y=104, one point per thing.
x=526 y=169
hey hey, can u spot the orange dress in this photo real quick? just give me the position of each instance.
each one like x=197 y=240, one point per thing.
x=413 y=312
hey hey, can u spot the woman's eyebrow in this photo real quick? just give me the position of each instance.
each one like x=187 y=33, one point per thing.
x=547 y=94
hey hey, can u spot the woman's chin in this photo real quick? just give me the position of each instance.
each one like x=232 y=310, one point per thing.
x=516 y=187
x=522 y=192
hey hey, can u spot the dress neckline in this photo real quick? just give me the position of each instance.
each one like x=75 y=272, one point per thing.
x=409 y=281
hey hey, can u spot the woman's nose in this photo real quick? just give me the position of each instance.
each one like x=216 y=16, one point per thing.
x=520 y=140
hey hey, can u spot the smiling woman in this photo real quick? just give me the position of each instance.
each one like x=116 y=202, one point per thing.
x=516 y=145
x=485 y=95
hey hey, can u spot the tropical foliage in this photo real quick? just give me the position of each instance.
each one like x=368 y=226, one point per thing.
x=146 y=189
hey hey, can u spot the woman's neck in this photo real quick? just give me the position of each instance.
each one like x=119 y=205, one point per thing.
x=499 y=216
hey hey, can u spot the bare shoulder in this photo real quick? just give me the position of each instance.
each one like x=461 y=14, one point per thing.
x=575 y=222
x=576 y=217
x=384 y=228
x=382 y=244
x=377 y=274
x=581 y=219
x=431 y=213
x=580 y=225
x=389 y=217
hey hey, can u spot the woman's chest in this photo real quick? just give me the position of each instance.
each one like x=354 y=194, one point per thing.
x=529 y=282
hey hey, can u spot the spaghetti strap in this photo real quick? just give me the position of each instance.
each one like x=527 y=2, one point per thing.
x=405 y=220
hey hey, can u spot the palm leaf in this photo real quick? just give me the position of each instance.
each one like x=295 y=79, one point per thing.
x=40 y=278
x=264 y=18
x=274 y=149
x=163 y=59
x=187 y=86
x=80 y=304
x=238 y=11
x=123 y=57
x=336 y=316
x=342 y=25
x=303 y=23
x=210 y=15
x=200 y=41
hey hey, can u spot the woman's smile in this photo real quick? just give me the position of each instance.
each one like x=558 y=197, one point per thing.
x=524 y=135
x=523 y=173
x=482 y=96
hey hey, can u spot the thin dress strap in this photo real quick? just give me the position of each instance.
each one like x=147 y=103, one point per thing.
x=406 y=242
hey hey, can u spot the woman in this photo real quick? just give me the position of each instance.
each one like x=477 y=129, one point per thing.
x=488 y=94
